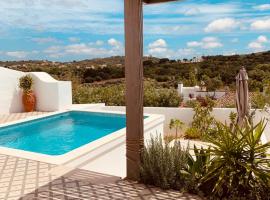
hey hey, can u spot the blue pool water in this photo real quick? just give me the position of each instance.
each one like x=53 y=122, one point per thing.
x=61 y=133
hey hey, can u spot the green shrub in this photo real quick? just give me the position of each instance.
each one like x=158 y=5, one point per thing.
x=162 y=165
x=203 y=122
x=192 y=133
x=114 y=95
x=239 y=167
x=110 y=95
x=196 y=168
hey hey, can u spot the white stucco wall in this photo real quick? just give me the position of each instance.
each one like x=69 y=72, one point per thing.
x=52 y=95
x=10 y=94
x=186 y=115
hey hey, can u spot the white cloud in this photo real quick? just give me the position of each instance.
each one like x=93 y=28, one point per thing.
x=262 y=7
x=194 y=44
x=206 y=43
x=45 y=40
x=262 y=39
x=222 y=25
x=258 y=44
x=261 y=25
x=255 y=46
x=115 y=44
x=158 y=43
x=90 y=50
x=159 y=48
x=17 y=54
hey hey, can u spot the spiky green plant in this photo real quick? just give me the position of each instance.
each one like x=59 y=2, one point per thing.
x=196 y=168
x=239 y=165
x=177 y=125
x=26 y=83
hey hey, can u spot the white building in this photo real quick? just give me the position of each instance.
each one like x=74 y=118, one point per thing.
x=191 y=93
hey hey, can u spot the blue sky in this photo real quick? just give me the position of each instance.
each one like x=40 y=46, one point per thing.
x=65 y=30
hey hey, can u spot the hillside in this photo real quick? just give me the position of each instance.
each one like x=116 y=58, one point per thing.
x=216 y=71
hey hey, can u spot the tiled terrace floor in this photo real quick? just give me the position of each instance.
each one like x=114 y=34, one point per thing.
x=17 y=116
x=31 y=180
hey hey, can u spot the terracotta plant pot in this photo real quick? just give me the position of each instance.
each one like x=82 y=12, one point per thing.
x=29 y=101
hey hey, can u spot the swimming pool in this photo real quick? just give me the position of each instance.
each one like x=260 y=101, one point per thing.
x=59 y=134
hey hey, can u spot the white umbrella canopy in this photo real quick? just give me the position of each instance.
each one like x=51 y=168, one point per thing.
x=242 y=95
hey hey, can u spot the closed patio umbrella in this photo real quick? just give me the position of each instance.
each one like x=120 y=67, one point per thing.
x=242 y=95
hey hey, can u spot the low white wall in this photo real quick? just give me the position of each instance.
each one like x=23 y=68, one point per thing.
x=186 y=115
x=10 y=94
x=52 y=95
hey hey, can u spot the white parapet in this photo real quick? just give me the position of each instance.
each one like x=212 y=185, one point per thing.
x=52 y=95
x=10 y=94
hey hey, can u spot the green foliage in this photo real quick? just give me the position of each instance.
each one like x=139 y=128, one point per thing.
x=203 y=122
x=193 y=133
x=110 y=95
x=114 y=95
x=239 y=167
x=212 y=84
x=26 y=83
x=162 y=164
x=155 y=96
x=234 y=166
x=196 y=168
x=259 y=101
x=177 y=125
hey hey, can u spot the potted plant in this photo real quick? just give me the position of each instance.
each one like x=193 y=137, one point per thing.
x=28 y=97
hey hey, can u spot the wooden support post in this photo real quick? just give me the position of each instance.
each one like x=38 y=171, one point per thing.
x=134 y=85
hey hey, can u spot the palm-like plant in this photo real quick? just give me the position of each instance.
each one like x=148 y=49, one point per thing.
x=239 y=166
x=177 y=125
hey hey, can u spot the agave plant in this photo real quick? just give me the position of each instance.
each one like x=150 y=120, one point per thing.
x=239 y=165
x=196 y=167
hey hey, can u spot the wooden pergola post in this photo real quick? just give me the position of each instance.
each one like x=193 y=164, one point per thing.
x=134 y=85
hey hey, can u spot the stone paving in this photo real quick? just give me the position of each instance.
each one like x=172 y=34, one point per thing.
x=17 y=116
x=32 y=180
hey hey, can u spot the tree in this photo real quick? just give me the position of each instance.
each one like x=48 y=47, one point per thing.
x=177 y=125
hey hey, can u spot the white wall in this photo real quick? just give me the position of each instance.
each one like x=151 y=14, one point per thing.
x=186 y=91
x=10 y=94
x=186 y=115
x=52 y=95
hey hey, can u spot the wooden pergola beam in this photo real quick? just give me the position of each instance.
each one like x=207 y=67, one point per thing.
x=134 y=84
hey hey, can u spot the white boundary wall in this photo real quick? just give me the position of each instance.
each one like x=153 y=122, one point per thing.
x=186 y=115
x=10 y=94
x=52 y=95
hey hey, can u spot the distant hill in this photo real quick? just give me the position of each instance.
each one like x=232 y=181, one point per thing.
x=216 y=71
